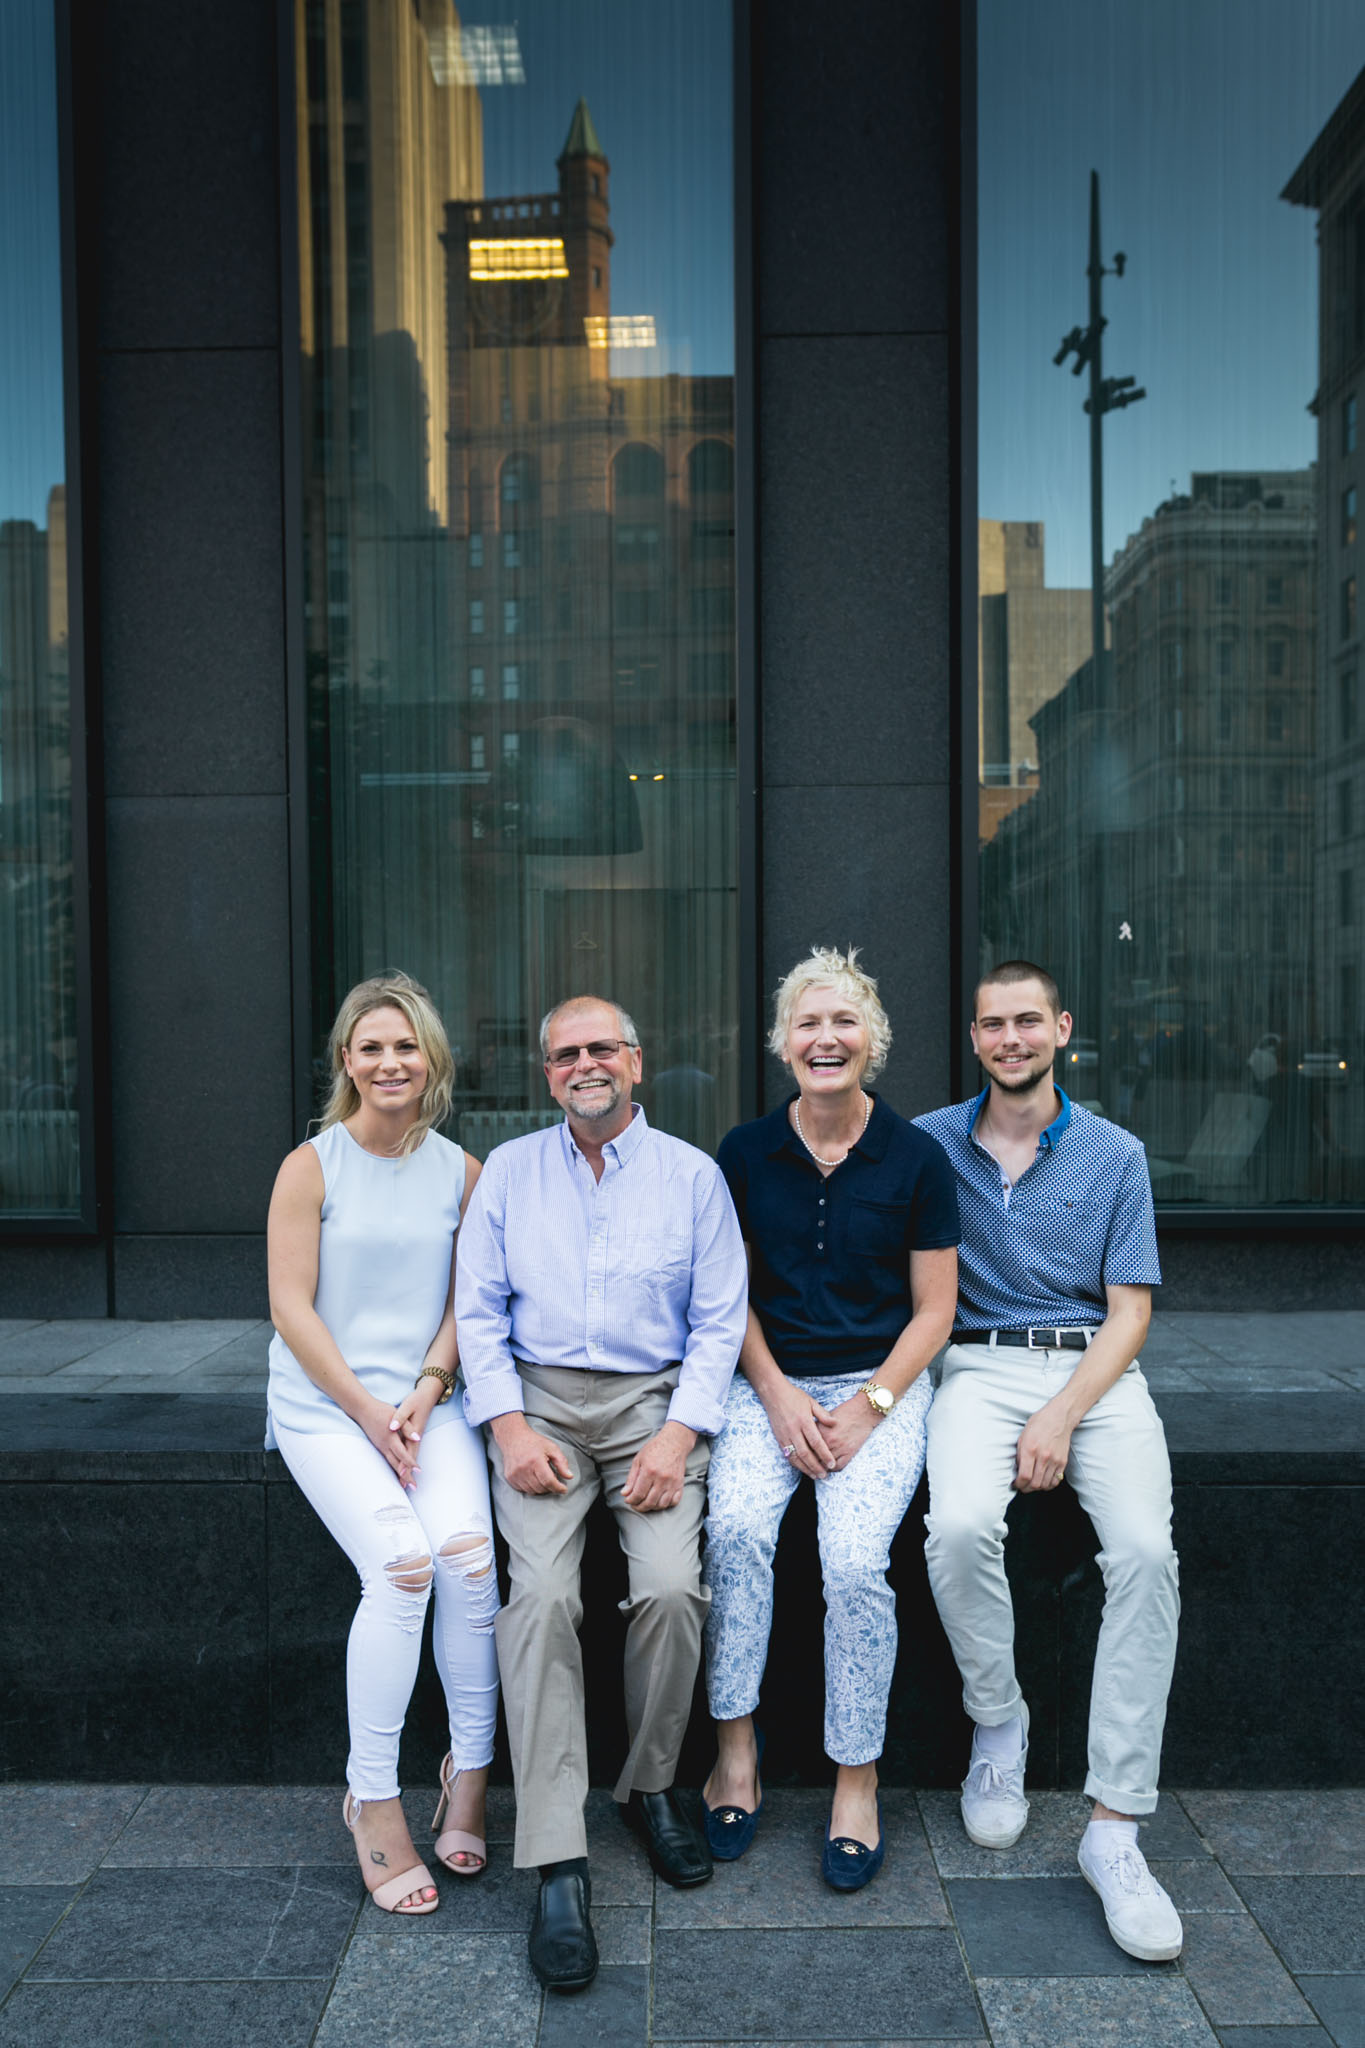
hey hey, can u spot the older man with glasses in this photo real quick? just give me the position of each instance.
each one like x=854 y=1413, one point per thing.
x=601 y=1298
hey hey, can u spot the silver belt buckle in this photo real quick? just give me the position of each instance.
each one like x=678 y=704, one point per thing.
x=1055 y=1332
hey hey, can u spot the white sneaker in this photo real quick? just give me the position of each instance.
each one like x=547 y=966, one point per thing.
x=1139 y=1914
x=994 y=1809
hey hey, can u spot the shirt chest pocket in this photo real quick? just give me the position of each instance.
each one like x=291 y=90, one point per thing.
x=876 y=1230
x=657 y=1260
x=1059 y=1221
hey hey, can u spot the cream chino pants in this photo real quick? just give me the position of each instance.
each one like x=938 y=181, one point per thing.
x=1120 y=1471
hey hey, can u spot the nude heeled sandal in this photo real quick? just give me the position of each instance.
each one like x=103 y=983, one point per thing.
x=387 y=1895
x=455 y=1839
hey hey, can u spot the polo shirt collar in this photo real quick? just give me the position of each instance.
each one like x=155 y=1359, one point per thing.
x=1060 y=1124
x=1048 y=1139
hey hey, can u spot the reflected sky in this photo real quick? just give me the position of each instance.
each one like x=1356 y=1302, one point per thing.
x=657 y=81
x=1194 y=113
x=31 y=437
x=658 y=85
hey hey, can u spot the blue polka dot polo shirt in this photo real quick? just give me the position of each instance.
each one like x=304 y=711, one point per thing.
x=1040 y=1254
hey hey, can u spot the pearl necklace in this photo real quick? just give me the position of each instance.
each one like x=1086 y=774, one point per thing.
x=796 y=1112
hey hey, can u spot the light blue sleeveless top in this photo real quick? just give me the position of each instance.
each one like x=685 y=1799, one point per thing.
x=388 y=1233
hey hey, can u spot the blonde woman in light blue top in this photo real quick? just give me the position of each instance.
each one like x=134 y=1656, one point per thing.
x=362 y=1237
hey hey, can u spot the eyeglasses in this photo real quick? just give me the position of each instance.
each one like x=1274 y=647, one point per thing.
x=600 y=1049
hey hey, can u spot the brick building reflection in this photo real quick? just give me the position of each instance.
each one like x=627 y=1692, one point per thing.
x=522 y=678
x=1331 y=181
x=1201 y=788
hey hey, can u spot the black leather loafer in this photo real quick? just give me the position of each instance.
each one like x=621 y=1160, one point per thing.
x=674 y=1844
x=562 y=1947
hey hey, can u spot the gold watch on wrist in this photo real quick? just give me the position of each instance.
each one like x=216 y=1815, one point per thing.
x=881 y=1398
x=437 y=1372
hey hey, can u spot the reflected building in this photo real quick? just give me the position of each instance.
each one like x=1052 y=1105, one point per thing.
x=387 y=133
x=1331 y=180
x=1166 y=857
x=520 y=598
x=592 y=707
x=1030 y=639
x=39 y=1140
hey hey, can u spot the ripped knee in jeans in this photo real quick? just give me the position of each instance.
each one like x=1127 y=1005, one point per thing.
x=410 y=1573
x=470 y=1559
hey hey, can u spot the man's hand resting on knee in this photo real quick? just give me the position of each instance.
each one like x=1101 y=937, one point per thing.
x=1043 y=1449
x=655 y=1480
x=530 y=1462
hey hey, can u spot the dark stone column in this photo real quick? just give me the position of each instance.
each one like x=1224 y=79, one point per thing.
x=854 y=329
x=188 y=442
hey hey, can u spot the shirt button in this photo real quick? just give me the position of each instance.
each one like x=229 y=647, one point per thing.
x=822 y=1201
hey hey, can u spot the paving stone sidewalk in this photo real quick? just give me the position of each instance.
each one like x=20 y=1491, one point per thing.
x=233 y=1917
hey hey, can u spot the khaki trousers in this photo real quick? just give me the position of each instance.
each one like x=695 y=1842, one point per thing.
x=600 y=1420
x=1121 y=1475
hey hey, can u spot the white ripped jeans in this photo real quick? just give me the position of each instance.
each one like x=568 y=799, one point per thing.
x=403 y=1545
x=859 y=1510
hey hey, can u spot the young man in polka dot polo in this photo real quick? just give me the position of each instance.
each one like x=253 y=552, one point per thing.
x=1055 y=1271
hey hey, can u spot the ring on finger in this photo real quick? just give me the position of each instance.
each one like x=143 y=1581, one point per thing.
x=788 y=1450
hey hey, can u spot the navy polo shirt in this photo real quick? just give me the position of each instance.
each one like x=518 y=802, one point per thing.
x=830 y=1257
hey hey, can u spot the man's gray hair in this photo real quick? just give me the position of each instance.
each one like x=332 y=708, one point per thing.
x=623 y=1018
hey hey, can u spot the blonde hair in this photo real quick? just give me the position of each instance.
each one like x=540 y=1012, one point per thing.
x=826 y=967
x=395 y=991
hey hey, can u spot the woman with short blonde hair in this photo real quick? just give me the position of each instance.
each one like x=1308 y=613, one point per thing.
x=850 y=1218
x=823 y=967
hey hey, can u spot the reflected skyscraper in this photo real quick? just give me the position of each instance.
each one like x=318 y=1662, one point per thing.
x=1030 y=639
x=39 y=1139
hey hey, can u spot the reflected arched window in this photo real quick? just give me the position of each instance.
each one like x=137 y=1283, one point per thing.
x=638 y=472
x=519 y=488
x=711 y=469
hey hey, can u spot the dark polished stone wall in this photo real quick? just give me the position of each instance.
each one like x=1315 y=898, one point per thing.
x=177 y=202
x=855 y=340
x=184 y=1614
x=192 y=646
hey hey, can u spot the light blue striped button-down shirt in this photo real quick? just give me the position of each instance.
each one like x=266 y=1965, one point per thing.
x=631 y=1273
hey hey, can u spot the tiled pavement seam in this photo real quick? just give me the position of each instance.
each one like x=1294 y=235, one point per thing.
x=968 y=1947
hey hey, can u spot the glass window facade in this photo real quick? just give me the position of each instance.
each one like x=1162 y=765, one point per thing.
x=1172 y=335
x=40 y=1140
x=518 y=431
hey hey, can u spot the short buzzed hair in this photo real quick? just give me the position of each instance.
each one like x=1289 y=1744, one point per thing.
x=1011 y=971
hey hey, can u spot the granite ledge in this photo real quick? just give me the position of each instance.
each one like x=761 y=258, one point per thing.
x=1314 y=1439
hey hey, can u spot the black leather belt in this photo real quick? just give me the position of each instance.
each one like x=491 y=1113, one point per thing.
x=1072 y=1339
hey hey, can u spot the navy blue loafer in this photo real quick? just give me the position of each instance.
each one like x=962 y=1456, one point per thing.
x=847 y=1865
x=730 y=1830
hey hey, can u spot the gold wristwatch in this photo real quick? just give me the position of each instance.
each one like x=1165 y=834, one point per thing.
x=882 y=1399
x=436 y=1372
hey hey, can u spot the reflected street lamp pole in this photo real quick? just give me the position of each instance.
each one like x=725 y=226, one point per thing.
x=1107 y=394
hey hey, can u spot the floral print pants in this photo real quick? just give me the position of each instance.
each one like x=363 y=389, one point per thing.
x=859 y=1511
